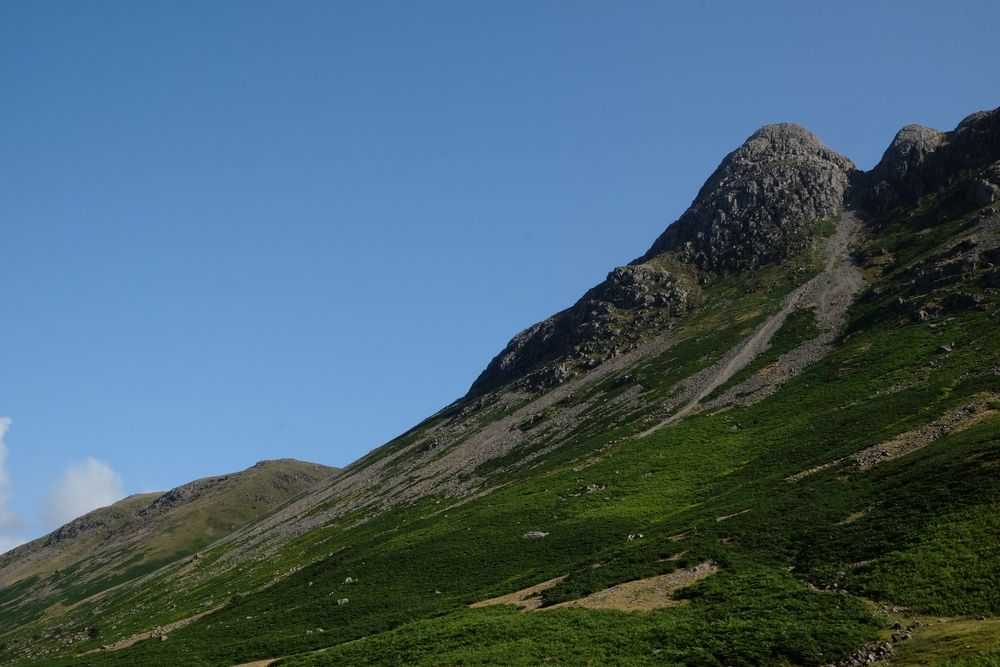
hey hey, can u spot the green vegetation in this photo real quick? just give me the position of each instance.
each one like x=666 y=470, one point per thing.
x=733 y=619
x=992 y=660
x=803 y=564
x=107 y=552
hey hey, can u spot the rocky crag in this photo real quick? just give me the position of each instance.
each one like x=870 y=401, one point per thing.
x=762 y=205
x=921 y=160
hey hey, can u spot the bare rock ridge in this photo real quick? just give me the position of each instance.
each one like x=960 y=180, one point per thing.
x=920 y=160
x=903 y=163
x=580 y=331
x=761 y=205
x=758 y=205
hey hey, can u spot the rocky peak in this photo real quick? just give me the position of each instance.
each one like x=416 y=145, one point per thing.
x=902 y=173
x=921 y=160
x=908 y=151
x=760 y=206
x=761 y=202
x=783 y=140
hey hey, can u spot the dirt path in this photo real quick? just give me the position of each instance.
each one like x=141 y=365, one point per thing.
x=830 y=292
x=526 y=598
x=643 y=594
x=638 y=595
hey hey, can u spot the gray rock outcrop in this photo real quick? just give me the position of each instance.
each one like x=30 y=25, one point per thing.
x=760 y=204
x=921 y=160
x=985 y=188
x=575 y=331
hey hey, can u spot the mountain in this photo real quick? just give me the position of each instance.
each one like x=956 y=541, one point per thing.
x=760 y=206
x=115 y=545
x=772 y=439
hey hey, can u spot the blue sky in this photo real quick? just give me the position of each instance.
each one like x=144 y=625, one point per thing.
x=243 y=230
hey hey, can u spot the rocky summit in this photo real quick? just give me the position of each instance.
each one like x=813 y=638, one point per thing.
x=921 y=160
x=759 y=205
x=762 y=205
x=772 y=439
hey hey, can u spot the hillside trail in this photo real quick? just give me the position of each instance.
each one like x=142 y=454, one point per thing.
x=830 y=292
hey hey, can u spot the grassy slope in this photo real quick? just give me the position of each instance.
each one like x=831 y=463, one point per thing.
x=125 y=541
x=796 y=566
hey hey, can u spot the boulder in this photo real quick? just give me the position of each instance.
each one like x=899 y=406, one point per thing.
x=985 y=189
x=982 y=192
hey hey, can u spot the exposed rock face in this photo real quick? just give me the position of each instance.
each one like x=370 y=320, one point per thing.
x=985 y=189
x=758 y=207
x=920 y=160
x=759 y=204
x=93 y=522
x=640 y=286
x=279 y=478
x=903 y=161
x=572 y=333
x=184 y=494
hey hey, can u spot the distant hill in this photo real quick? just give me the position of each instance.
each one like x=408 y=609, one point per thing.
x=135 y=536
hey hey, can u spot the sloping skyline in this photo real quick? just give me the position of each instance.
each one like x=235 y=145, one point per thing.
x=238 y=231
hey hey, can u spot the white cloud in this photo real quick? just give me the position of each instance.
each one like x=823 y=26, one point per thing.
x=11 y=525
x=84 y=487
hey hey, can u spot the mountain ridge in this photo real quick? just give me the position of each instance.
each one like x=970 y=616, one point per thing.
x=824 y=487
x=136 y=519
x=753 y=209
